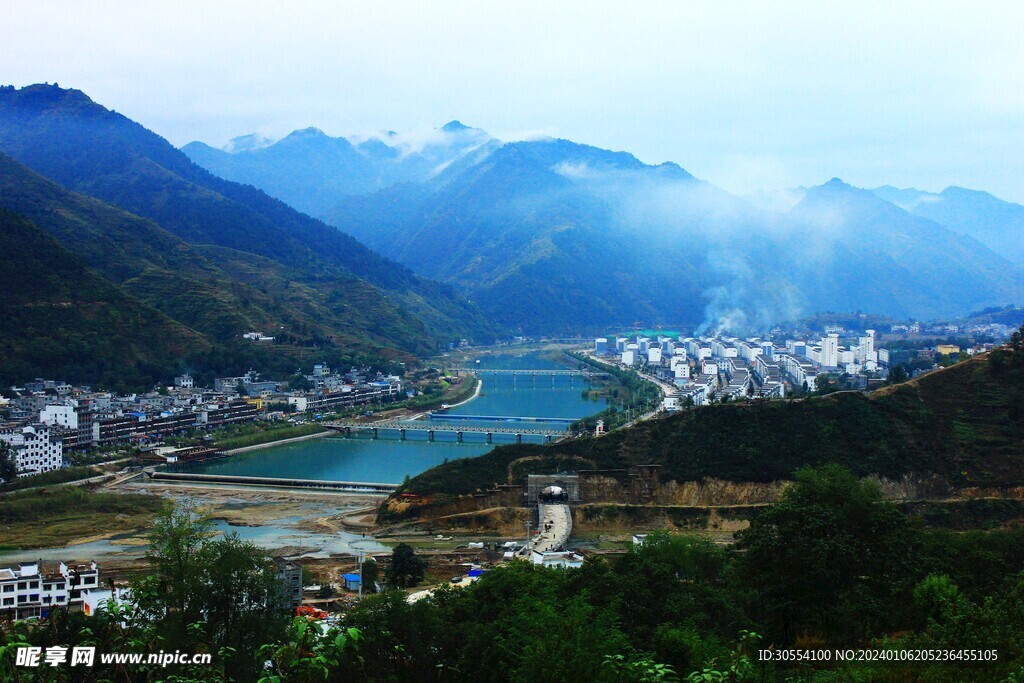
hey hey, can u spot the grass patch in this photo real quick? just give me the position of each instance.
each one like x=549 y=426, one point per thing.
x=55 y=517
x=61 y=476
x=275 y=433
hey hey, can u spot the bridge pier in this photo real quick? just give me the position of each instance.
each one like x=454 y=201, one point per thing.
x=401 y=435
x=490 y=437
x=375 y=434
x=430 y=435
x=458 y=436
x=519 y=438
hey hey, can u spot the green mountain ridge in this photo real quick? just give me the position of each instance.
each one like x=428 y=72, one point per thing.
x=58 y=313
x=323 y=285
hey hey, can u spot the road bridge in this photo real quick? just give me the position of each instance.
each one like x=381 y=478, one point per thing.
x=521 y=372
x=403 y=428
x=502 y=418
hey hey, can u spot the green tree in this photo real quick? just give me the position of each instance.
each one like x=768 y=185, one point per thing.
x=8 y=463
x=897 y=375
x=370 y=573
x=220 y=592
x=406 y=569
x=829 y=559
x=241 y=601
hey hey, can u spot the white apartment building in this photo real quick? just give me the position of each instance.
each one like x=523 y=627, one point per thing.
x=680 y=368
x=60 y=415
x=36 y=449
x=830 y=351
x=799 y=371
x=28 y=591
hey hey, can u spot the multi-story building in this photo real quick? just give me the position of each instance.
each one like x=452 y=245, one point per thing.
x=799 y=371
x=830 y=351
x=28 y=591
x=37 y=448
x=290 y=575
x=237 y=410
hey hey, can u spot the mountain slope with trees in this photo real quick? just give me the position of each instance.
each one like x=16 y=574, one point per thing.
x=59 y=314
x=68 y=138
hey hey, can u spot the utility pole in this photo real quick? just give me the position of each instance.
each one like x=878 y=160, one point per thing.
x=528 y=524
x=360 y=560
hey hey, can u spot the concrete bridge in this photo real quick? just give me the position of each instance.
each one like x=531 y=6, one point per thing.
x=586 y=374
x=502 y=418
x=403 y=428
x=372 y=488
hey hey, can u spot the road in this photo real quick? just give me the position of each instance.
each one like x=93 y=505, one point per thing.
x=555 y=527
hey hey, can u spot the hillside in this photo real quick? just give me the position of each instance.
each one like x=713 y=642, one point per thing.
x=961 y=427
x=73 y=141
x=58 y=313
x=996 y=223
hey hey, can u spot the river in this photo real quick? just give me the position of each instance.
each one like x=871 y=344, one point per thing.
x=357 y=459
x=389 y=460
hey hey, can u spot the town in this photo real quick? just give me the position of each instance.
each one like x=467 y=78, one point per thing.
x=695 y=371
x=46 y=421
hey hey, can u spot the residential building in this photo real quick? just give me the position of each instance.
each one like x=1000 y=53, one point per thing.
x=28 y=591
x=37 y=448
x=289 y=573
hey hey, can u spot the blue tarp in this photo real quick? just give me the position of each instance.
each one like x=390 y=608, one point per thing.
x=475 y=572
x=351 y=578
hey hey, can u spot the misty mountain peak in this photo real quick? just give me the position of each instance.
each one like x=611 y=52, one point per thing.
x=310 y=133
x=454 y=126
x=246 y=143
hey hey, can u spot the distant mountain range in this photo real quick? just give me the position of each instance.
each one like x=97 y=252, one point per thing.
x=217 y=257
x=554 y=236
x=474 y=237
x=311 y=171
x=995 y=223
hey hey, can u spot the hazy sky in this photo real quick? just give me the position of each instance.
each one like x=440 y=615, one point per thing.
x=749 y=95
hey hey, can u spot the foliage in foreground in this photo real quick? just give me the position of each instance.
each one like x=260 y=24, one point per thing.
x=830 y=566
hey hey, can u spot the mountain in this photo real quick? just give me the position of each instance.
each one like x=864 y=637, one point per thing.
x=551 y=235
x=555 y=236
x=310 y=170
x=862 y=252
x=307 y=169
x=356 y=297
x=997 y=224
x=59 y=314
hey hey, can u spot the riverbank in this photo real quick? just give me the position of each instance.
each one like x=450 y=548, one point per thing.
x=277 y=442
x=476 y=393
